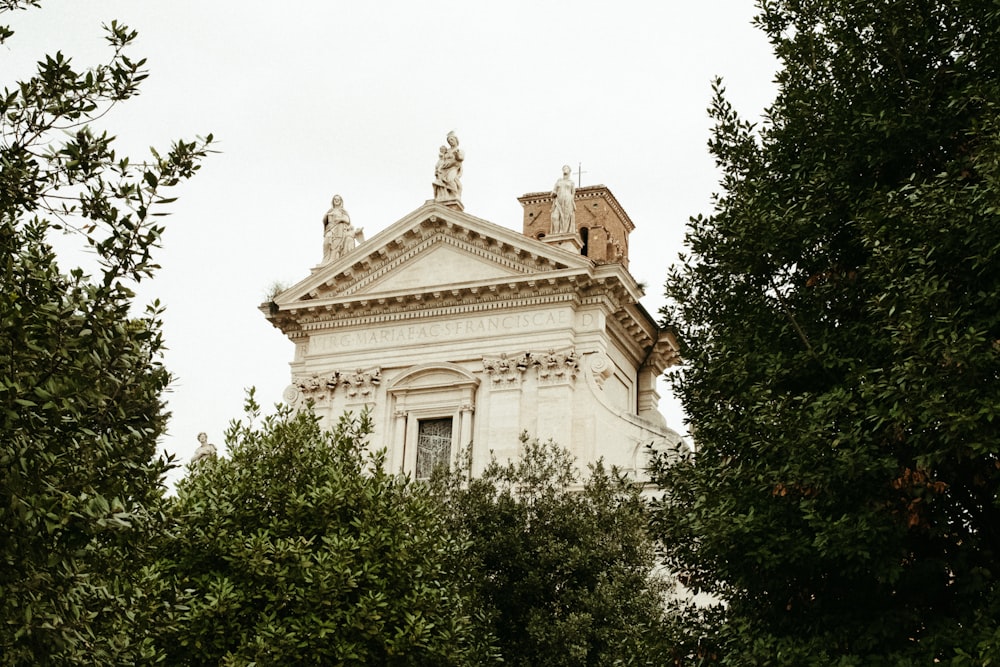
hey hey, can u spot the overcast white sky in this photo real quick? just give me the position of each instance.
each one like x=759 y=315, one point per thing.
x=309 y=99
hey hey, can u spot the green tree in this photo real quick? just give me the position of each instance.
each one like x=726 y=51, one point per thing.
x=564 y=571
x=300 y=549
x=80 y=376
x=840 y=316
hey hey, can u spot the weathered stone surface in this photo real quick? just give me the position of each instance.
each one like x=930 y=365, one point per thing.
x=339 y=237
x=444 y=316
x=448 y=173
x=564 y=206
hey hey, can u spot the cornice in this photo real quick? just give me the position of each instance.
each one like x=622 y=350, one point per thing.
x=382 y=259
x=636 y=337
x=345 y=294
x=665 y=353
x=567 y=286
x=312 y=316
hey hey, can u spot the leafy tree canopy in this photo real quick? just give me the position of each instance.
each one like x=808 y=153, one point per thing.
x=80 y=376
x=563 y=570
x=301 y=550
x=840 y=313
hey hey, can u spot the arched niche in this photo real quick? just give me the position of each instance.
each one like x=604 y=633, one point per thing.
x=433 y=407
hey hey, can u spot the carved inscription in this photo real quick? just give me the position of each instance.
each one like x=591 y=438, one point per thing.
x=473 y=327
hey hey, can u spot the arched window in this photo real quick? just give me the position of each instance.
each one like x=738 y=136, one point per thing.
x=433 y=405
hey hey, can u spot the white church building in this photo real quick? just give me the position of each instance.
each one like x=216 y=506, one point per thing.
x=456 y=331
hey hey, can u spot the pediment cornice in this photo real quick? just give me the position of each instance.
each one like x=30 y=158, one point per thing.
x=371 y=268
x=425 y=228
x=352 y=292
x=566 y=286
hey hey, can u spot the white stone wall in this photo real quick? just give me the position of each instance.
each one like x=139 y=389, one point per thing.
x=443 y=315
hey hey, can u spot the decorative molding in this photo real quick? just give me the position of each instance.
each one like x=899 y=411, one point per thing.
x=601 y=368
x=664 y=353
x=319 y=388
x=446 y=301
x=506 y=372
x=477 y=247
x=322 y=387
x=552 y=366
x=556 y=366
x=530 y=290
x=361 y=383
x=381 y=260
x=292 y=396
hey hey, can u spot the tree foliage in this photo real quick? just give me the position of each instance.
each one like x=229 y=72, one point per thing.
x=564 y=571
x=840 y=313
x=300 y=549
x=80 y=376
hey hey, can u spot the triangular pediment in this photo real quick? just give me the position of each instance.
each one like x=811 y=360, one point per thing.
x=441 y=263
x=433 y=247
x=438 y=260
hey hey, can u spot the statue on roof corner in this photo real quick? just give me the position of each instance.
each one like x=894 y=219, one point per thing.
x=564 y=207
x=448 y=173
x=339 y=237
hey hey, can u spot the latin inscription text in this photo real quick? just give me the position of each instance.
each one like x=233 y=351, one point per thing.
x=438 y=331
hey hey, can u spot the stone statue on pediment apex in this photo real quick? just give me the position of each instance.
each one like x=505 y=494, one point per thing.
x=448 y=173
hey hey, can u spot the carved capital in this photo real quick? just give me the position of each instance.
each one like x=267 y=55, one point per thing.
x=315 y=386
x=361 y=383
x=556 y=366
x=504 y=371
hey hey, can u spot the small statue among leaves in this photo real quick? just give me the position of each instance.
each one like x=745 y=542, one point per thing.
x=205 y=449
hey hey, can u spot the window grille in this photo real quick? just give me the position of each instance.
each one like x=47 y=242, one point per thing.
x=433 y=445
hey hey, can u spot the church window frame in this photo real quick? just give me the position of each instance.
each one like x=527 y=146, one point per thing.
x=435 y=442
x=431 y=393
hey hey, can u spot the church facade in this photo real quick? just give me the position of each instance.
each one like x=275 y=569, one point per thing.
x=456 y=332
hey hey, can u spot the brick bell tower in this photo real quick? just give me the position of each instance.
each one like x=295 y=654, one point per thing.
x=602 y=225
